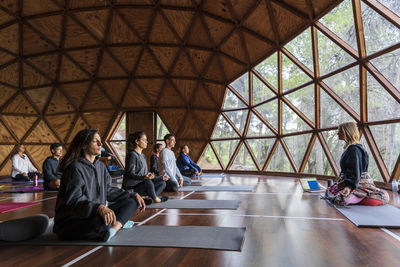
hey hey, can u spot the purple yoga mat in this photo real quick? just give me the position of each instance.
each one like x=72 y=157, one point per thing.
x=11 y=181
x=4 y=207
x=26 y=189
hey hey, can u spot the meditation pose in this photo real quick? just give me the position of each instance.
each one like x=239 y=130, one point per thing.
x=22 y=167
x=185 y=165
x=354 y=186
x=154 y=158
x=167 y=166
x=51 y=175
x=81 y=209
x=137 y=176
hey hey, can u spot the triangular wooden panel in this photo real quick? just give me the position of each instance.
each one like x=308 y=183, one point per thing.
x=95 y=21
x=138 y=18
x=70 y=71
x=5 y=93
x=5 y=57
x=34 y=43
x=172 y=118
x=190 y=128
x=5 y=17
x=59 y=103
x=50 y=26
x=5 y=136
x=76 y=92
x=219 y=8
x=88 y=3
x=257 y=48
x=214 y=71
x=87 y=59
x=186 y=87
x=181 y=3
x=183 y=67
x=169 y=96
x=79 y=125
x=232 y=68
x=19 y=124
x=96 y=99
x=180 y=20
x=259 y=22
x=47 y=64
x=33 y=78
x=217 y=91
x=61 y=124
x=299 y=5
x=99 y=120
x=234 y=47
x=165 y=55
x=76 y=36
x=5 y=151
x=10 y=5
x=120 y=32
x=319 y=6
x=207 y=119
x=37 y=7
x=109 y=67
x=202 y=99
x=114 y=88
x=241 y=8
x=9 y=74
x=147 y=65
x=218 y=29
x=161 y=33
x=134 y=97
x=199 y=58
x=19 y=105
x=9 y=38
x=127 y=55
x=198 y=35
x=38 y=154
x=6 y=170
x=152 y=87
x=39 y=96
x=41 y=134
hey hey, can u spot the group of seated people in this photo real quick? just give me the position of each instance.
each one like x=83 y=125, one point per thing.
x=82 y=212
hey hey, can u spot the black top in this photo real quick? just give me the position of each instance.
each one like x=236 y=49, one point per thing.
x=154 y=164
x=50 y=171
x=84 y=186
x=353 y=162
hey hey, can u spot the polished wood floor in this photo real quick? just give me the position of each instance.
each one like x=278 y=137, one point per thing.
x=285 y=227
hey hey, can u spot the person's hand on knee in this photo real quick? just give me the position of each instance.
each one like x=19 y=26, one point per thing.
x=107 y=214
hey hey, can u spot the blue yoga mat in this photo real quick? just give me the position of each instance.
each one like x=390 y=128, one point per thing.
x=212 y=175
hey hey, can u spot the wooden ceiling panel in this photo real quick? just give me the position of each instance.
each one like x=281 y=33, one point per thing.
x=161 y=32
x=170 y=97
x=259 y=22
x=86 y=58
x=5 y=57
x=214 y=71
x=199 y=35
x=110 y=68
x=7 y=168
x=38 y=154
x=5 y=150
x=152 y=87
x=33 y=43
x=47 y=64
x=5 y=136
x=94 y=21
x=216 y=91
x=134 y=97
x=38 y=6
x=218 y=29
x=59 y=103
x=127 y=55
x=139 y=19
x=99 y=120
x=39 y=96
x=114 y=88
x=148 y=66
x=96 y=99
x=9 y=74
x=5 y=94
x=31 y=77
x=199 y=58
x=186 y=87
x=183 y=67
x=61 y=124
x=234 y=47
x=165 y=55
x=172 y=118
x=76 y=92
x=19 y=105
x=241 y=8
x=218 y=8
x=79 y=125
x=19 y=125
x=5 y=17
x=231 y=68
x=256 y=47
x=9 y=38
x=87 y=3
x=207 y=119
x=120 y=32
x=76 y=36
x=202 y=99
x=190 y=128
x=41 y=134
x=180 y=20
x=71 y=72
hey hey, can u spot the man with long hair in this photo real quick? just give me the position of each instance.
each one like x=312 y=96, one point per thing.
x=81 y=211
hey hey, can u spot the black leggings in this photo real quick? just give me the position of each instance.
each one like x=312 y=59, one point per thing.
x=20 y=177
x=188 y=173
x=150 y=188
x=93 y=227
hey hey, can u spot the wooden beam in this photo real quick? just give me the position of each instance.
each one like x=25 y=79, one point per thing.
x=270 y=155
x=307 y=153
x=291 y=160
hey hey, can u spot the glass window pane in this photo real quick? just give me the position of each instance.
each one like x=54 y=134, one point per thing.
x=331 y=113
x=241 y=85
x=257 y=127
x=346 y=85
x=340 y=21
x=379 y=33
x=331 y=56
x=388 y=142
x=381 y=105
x=303 y=99
x=120 y=149
x=120 y=134
x=334 y=144
x=232 y=101
x=208 y=160
x=225 y=149
x=372 y=166
x=243 y=161
x=292 y=76
x=389 y=65
x=301 y=48
x=238 y=118
x=297 y=146
x=393 y=5
x=279 y=161
x=269 y=70
x=223 y=129
x=261 y=149
x=269 y=111
x=291 y=122
x=317 y=162
x=162 y=130
x=260 y=91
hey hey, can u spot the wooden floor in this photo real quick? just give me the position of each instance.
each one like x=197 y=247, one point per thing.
x=285 y=227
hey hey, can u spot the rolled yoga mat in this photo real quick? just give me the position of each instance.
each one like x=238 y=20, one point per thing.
x=207 y=237
x=11 y=181
x=196 y=204
x=26 y=189
x=4 y=207
x=216 y=188
x=372 y=216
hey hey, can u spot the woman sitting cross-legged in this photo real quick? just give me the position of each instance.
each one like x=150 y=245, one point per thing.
x=136 y=174
x=354 y=186
x=81 y=211
x=186 y=165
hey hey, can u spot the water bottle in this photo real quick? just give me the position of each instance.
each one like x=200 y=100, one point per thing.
x=35 y=180
x=395 y=186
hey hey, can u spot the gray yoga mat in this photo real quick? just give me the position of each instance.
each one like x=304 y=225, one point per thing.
x=196 y=204
x=207 y=237
x=212 y=175
x=217 y=188
x=372 y=216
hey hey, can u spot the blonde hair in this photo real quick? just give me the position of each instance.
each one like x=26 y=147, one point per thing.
x=351 y=133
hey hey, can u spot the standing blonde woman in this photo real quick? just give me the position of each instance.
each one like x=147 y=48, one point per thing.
x=354 y=186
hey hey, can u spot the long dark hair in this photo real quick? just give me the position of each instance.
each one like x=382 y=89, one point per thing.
x=132 y=138
x=77 y=147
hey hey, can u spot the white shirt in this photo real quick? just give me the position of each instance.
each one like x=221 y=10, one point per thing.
x=21 y=165
x=167 y=165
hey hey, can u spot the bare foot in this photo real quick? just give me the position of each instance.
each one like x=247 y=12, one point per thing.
x=157 y=200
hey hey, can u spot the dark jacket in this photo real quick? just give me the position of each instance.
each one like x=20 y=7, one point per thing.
x=84 y=186
x=353 y=162
x=154 y=164
x=50 y=171
x=184 y=163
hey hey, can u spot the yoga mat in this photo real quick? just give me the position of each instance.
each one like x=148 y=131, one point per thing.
x=11 y=181
x=372 y=216
x=217 y=188
x=196 y=204
x=217 y=175
x=26 y=189
x=207 y=237
x=4 y=207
